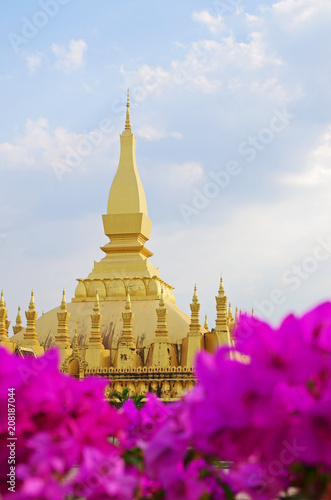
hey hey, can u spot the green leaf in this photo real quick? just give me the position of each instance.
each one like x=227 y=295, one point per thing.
x=228 y=492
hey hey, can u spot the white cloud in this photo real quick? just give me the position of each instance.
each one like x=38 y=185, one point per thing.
x=152 y=134
x=12 y=155
x=175 y=178
x=213 y=23
x=317 y=171
x=34 y=62
x=188 y=172
x=6 y=77
x=208 y=63
x=253 y=247
x=70 y=59
x=316 y=175
x=296 y=13
x=39 y=148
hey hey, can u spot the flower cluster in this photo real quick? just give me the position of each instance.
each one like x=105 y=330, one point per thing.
x=257 y=423
x=62 y=433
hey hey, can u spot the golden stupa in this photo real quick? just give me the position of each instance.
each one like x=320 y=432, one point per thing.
x=123 y=322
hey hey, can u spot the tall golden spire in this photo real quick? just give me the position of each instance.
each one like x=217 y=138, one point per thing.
x=194 y=340
x=161 y=332
x=127 y=195
x=127 y=121
x=195 y=308
x=4 y=326
x=206 y=327
x=95 y=341
x=162 y=352
x=62 y=338
x=126 y=223
x=3 y=319
x=3 y=316
x=31 y=314
x=127 y=334
x=19 y=326
x=30 y=337
x=222 y=329
x=63 y=302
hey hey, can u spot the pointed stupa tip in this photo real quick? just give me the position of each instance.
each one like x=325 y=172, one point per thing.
x=128 y=301
x=127 y=120
x=63 y=303
x=206 y=327
x=2 y=301
x=161 y=303
x=32 y=304
x=195 y=295
x=221 y=288
x=18 y=317
x=96 y=307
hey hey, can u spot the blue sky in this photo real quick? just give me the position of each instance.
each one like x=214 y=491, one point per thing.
x=231 y=110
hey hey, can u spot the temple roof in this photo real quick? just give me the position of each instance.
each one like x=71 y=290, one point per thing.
x=144 y=322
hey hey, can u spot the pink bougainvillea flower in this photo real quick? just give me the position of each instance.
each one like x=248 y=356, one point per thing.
x=259 y=482
x=316 y=327
x=142 y=424
x=56 y=421
x=230 y=415
x=104 y=477
x=184 y=482
x=277 y=354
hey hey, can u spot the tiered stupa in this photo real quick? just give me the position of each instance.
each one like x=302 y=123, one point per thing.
x=123 y=322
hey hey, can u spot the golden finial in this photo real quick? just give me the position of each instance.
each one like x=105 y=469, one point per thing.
x=19 y=317
x=63 y=303
x=32 y=304
x=195 y=295
x=96 y=307
x=127 y=121
x=161 y=303
x=252 y=311
x=128 y=302
x=221 y=288
x=2 y=302
x=206 y=327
